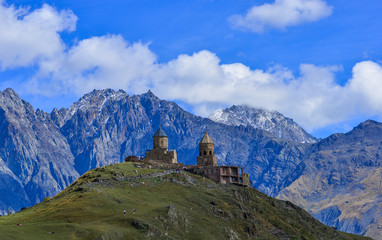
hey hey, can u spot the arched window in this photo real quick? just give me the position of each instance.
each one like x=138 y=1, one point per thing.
x=210 y=152
x=205 y=153
x=200 y=153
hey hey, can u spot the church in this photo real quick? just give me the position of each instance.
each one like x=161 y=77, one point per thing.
x=160 y=150
x=206 y=162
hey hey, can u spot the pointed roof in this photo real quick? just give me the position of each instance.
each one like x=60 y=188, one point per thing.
x=160 y=133
x=206 y=139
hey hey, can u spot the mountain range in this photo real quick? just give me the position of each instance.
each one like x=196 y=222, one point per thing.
x=43 y=153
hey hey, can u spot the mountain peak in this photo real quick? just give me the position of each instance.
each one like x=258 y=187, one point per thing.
x=150 y=95
x=368 y=123
x=369 y=129
x=10 y=93
x=96 y=93
x=95 y=100
x=246 y=107
x=271 y=121
x=11 y=99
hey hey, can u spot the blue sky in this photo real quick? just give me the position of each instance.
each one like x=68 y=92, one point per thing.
x=316 y=61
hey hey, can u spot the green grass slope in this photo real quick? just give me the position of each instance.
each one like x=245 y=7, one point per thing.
x=168 y=206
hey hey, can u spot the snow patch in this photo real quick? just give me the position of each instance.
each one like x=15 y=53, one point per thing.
x=263 y=119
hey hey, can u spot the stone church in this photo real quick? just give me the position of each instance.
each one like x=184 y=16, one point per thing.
x=160 y=150
x=206 y=161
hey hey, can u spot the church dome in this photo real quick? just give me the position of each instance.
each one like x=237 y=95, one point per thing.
x=206 y=139
x=160 y=133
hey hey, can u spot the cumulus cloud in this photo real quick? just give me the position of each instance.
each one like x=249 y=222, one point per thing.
x=367 y=83
x=96 y=63
x=29 y=36
x=312 y=96
x=281 y=14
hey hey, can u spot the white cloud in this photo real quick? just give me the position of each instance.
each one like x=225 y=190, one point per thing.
x=367 y=83
x=200 y=80
x=96 y=63
x=29 y=36
x=281 y=14
x=312 y=97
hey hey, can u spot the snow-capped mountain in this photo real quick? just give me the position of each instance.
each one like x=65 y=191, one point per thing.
x=270 y=121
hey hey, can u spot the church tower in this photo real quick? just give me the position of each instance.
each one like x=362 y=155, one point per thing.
x=206 y=152
x=160 y=139
x=160 y=152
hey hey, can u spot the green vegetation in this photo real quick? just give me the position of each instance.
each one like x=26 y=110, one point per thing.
x=168 y=206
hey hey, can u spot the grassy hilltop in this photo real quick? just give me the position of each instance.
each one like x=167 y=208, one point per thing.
x=92 y=208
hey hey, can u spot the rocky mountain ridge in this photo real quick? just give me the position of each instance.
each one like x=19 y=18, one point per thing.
x=43 y=153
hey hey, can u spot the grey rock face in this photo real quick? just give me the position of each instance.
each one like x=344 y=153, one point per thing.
x=271 y=121
x=35 y=159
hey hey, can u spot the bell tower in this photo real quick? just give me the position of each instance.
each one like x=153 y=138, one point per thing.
x=160 y=139
x=206 y=152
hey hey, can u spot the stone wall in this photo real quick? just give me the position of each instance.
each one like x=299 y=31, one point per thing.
x=161 y=155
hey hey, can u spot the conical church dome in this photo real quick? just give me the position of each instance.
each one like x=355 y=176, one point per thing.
x=206 y=139
x=160 y=133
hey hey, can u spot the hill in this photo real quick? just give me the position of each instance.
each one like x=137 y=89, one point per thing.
x=168 y=205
